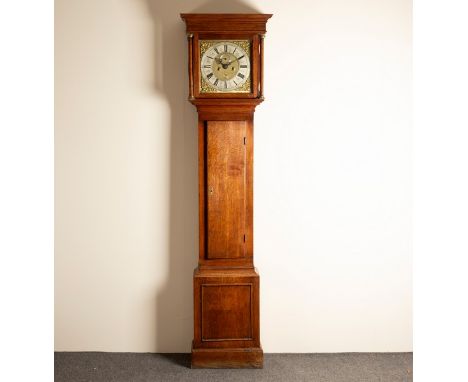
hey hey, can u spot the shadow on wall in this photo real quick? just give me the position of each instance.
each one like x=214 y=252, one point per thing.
x=174 y=301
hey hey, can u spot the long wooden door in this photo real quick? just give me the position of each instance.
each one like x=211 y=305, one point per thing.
x=226 y=191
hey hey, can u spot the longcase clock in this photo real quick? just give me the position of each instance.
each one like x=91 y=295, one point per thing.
x=225 y=55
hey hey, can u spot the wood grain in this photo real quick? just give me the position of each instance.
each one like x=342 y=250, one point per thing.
x=226 y=170
x=226 y=312
x=235 y=358
x=226 y=22
x=226 y=285
x=234 y=302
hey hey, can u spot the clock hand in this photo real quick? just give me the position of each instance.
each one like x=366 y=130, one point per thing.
x=237 y=59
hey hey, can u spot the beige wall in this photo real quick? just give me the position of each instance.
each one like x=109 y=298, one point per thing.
x=332 y=176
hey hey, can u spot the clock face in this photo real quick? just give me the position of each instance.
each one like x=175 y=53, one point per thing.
x=225 y=66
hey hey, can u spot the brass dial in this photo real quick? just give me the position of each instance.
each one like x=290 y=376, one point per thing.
x=225 y=67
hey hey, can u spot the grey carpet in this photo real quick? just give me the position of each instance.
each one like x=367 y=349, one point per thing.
x=143 y=367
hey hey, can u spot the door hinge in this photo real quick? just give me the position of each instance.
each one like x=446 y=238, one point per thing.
x=245 y=140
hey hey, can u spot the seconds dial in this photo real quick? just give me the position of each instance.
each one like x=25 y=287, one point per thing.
x=225 y=66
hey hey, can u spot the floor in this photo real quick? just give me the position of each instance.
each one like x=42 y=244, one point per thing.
x=139 y=367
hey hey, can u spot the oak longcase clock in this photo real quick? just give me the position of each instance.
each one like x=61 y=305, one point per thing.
x=225 y=56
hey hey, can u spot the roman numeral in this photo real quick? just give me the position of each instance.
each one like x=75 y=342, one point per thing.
x=225 y=48
x=209 y=75
x=234 y=82
x=234 y=50
x=240 y=75
x=208 y=66
x=225 y=84
x=210 y=57
x=216 y=50
x=240 y=57
x=216 y=82
x=243 y=66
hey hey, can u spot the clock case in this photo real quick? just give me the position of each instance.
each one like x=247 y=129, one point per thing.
x=226 y=284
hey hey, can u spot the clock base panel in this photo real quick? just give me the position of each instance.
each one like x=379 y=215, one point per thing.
x=226 y=318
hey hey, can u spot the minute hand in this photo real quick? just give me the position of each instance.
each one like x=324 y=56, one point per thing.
x=237 y=59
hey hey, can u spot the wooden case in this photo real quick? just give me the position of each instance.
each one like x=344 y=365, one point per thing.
x=226 y=284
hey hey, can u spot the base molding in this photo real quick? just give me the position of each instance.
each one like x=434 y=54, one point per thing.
x=230 y=358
